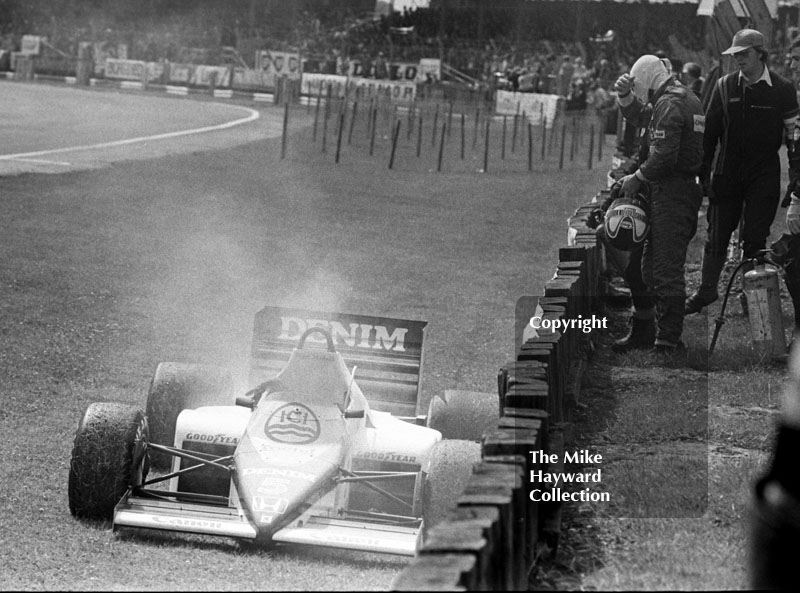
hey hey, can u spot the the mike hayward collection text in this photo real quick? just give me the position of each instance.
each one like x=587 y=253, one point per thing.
x=546 y=486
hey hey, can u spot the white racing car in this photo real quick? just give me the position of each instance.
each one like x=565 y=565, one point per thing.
x=304 y=457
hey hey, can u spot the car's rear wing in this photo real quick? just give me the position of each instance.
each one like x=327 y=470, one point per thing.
x=386 y=352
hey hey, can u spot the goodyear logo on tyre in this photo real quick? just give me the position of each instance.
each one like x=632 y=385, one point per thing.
x=294 y=424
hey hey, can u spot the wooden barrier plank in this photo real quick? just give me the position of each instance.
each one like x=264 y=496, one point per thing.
x=439 y=572
x=510 y=470
x=487 y=519
x=550 y=512
x=462 y=539
x=483 y=491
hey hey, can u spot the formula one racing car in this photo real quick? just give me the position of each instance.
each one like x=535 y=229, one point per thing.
x=327 y=449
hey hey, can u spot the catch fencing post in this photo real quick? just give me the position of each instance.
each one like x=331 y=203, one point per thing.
x=544 y=137
x=441 y=147
x=352 y=122
x=395 y=136
x=339 y=136
x=285 y=130
x=316 y=111
x=435 y=125
x=530 y=147
x=372 y=133
x=462 y=136
x=486 y=147
x=503 y=141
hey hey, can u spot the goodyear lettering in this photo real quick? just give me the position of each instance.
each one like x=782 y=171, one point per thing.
x=221 y=439
x=356 y=335
x=386 y=456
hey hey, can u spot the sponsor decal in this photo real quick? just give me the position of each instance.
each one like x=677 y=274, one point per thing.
x=699 y=123
x=188 y=523
x=279 y=472
x=294 y=424
x=386 y=456
x=355 y=335
x=272 y=487
x=266 y=518
x=269 y=504
x=345 y=539
x=221 y=439
x=658 y=135
x=276 y=454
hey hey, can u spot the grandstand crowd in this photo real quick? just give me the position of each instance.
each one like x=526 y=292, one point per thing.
x=539 y=55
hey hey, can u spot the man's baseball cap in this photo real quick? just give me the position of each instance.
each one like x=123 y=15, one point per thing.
x=744 y=39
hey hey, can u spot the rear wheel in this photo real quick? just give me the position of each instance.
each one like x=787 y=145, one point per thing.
x=109 y=454
x=176 y=387
x=464 y=415
x=450 y=469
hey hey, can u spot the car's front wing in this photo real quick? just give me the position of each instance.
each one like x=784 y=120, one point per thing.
x=212 y=519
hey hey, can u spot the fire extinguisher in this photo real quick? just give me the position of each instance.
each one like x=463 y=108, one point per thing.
x=762 y=287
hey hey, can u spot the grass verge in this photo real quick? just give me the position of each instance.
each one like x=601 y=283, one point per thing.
x=682 y=444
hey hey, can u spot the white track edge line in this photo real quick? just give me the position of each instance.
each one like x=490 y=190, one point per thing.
x=254 y=115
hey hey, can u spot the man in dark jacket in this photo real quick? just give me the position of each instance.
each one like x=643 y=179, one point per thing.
x=650 y=97
x=775 y=517
x=750 y=114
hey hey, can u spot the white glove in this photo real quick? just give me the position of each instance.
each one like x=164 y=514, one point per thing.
x=793 y=215
x=630 y=185
x=624 y=85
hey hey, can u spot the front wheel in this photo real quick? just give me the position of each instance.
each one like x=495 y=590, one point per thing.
x=109 y=454
x=464 y=415
x=450 y=468
x=179 y=386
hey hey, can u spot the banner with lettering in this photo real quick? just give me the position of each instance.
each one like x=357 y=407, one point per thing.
x=125 y=69
x=275 y=64
x=396 y=90
x=204 y=76
x=535 y=106
x=313 y=84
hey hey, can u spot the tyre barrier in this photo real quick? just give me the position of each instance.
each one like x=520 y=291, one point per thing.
x=494 y=535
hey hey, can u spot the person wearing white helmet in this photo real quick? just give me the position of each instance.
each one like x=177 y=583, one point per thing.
x=752 y=112
x=651 y=98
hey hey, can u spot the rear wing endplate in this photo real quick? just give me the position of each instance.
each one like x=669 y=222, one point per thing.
x=386 y=352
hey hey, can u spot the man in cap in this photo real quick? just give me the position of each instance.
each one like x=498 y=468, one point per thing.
x=750 y=114
x=651 y=98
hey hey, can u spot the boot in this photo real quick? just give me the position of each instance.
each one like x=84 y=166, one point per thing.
x=641 y=336
x=707 y=293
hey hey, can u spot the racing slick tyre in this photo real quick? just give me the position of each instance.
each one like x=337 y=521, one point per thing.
x=450 y=469
x=109 y=454
x=176 y=387
x=464 y=414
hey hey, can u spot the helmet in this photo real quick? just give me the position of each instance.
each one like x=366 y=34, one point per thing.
x=650 y=72
x=627 y=221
